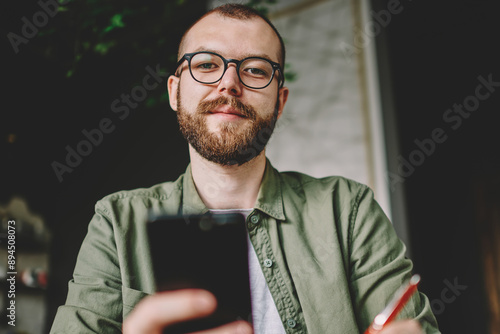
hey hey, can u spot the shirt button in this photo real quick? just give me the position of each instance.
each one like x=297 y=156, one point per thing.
x=291 y=323
x=268 y=263
x=255 y=219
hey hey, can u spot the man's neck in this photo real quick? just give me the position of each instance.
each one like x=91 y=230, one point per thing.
x=227 y=187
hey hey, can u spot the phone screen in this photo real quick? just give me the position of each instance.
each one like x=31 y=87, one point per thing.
x=203 y=251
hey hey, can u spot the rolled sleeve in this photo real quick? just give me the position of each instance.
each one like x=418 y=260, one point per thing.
x=94 y=302
x=379 y=266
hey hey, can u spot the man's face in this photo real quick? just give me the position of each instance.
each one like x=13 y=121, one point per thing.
x=227 y=122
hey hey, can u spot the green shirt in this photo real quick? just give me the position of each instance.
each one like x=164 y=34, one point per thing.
x=335 y=258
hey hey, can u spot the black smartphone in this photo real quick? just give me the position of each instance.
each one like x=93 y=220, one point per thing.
x=207 y=252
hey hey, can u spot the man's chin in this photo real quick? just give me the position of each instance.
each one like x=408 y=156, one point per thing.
x=227 y=133
x=224 y=125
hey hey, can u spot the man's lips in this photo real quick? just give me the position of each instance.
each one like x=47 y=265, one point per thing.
x=227 y=110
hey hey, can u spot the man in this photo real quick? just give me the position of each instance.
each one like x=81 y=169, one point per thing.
x=325 y=258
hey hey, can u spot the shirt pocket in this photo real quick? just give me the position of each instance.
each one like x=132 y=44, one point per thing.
x=130 y=298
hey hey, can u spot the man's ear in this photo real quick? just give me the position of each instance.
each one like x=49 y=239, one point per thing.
x=282 y=96
x=172 y=86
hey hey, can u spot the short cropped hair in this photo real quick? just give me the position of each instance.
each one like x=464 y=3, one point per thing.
x=239 y=12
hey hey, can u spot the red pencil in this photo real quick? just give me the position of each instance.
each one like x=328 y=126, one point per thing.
x=392 y=309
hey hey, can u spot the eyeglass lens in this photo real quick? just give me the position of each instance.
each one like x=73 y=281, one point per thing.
x=209 y=68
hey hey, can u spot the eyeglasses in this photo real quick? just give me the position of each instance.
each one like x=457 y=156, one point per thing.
x=209 y=67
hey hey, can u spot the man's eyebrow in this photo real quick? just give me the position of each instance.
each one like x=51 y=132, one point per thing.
x=246 y=55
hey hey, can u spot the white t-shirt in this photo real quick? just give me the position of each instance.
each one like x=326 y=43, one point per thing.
x=265 y=316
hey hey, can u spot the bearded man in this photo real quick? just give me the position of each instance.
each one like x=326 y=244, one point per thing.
x=228 y=92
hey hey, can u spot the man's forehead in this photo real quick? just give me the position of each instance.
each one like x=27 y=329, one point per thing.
x=218 y=33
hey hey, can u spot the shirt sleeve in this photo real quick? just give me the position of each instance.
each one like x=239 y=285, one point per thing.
x=378 y=266
x=94 y=301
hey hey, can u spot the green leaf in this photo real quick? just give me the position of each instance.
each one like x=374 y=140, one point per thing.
x=151 y=102
x=104 y=47
x=116 y=22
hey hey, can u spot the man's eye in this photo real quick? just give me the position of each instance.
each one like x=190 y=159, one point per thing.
x=256 y=71
x=206 y=66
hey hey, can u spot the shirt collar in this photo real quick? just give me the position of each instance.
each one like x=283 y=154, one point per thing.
x=269 y=198
x=191 y=201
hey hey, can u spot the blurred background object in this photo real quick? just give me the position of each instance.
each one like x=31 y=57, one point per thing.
x=23 y=274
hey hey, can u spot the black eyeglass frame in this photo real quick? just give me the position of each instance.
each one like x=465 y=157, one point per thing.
x=276 y=67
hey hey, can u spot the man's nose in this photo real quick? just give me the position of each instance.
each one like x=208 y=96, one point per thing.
x=230 y=82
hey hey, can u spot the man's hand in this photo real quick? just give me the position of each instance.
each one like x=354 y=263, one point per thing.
x=158 y=311
x=403 y=327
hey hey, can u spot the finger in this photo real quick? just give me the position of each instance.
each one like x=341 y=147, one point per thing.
x=155 y=312
x=403 y=327
x=237 y=327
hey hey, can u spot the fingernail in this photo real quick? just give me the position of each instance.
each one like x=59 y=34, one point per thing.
x=204 y=301
x=244 y=328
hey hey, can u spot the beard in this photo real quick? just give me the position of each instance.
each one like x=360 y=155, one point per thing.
x=235 y=143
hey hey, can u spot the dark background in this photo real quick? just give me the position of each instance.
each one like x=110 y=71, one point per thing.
x=47 y=111
x=435 y=50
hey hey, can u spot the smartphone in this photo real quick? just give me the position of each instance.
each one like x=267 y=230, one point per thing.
x=205 y=252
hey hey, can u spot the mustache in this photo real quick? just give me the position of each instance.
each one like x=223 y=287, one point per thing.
x=244 y=109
